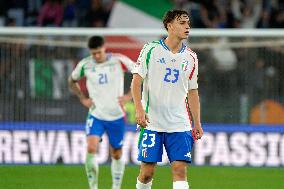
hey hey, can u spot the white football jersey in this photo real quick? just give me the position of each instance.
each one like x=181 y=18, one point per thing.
x=105 y=83
x=167 y=79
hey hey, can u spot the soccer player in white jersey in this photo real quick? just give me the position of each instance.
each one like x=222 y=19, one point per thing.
x=105 y=84
x=169 y=72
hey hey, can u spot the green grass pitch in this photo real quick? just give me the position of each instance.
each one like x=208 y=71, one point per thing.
x=73 y=177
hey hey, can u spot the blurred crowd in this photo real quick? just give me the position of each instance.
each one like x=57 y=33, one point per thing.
x=95 y=13
x=55 y=13
x=234 y=13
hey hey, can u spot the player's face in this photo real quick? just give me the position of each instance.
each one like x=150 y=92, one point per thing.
x=99 y=54
x=180 y=26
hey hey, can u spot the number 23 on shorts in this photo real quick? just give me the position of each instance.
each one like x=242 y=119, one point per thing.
x=148 y=140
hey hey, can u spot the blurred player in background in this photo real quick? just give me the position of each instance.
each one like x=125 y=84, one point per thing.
x=169 y=72
x=105 y=84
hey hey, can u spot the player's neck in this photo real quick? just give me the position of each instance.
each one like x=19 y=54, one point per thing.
x=102 y=60
x=173 y=43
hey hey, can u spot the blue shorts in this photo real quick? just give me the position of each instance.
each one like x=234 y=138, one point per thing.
x=114 y=129
x=178 y=146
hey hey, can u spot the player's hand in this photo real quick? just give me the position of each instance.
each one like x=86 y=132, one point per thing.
x=122 y=100
x=142 y=118
x=198 y=131
x=87 y=102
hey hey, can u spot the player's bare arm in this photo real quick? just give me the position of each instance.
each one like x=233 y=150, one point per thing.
x=73 y=85
x=141 y=116
x=194 y=105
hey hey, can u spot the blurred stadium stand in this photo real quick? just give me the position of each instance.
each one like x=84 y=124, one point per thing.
x=96 y=13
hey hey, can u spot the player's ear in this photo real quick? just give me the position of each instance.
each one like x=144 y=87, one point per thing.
x=103 y=48
x=169 y=26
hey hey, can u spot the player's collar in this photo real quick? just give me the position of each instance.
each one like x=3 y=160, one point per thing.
x=94 y=60
x=162 y=42
x=108 y=57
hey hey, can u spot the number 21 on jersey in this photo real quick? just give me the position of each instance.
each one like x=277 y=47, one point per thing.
x=103 y=78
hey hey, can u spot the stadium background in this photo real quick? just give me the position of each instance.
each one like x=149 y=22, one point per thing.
x=42 y=141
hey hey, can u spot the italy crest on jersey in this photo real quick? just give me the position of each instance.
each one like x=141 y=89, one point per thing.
x=144 y=152
x=184 y=65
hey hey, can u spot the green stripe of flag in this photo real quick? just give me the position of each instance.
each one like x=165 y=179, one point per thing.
x=155 y=8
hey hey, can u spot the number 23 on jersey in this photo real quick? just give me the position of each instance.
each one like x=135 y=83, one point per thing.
x=171 y=75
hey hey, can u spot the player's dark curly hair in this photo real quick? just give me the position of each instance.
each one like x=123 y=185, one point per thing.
x=96 y=42
x=171 y=15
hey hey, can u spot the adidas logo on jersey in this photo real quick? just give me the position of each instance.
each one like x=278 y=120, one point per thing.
x=162 y=61
x=188 y=155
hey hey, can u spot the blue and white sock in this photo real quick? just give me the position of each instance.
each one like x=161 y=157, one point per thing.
x=92 y=170
x=117 y=171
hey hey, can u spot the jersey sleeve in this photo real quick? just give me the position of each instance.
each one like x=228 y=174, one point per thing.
x=78 y=72
x=127 y=62
x=193 y=77
x=141 y=67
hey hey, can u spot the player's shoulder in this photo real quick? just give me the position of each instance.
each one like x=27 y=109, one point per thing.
x=148 y=48
x=189 y=50
x=191 y=53
x=86 y=60
x=152 y=44
x=156 y=42
x=116 y=55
